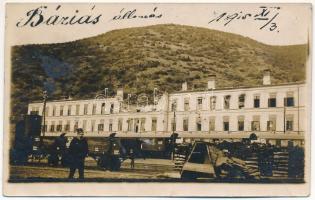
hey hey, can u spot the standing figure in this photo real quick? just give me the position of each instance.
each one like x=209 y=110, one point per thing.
x=58 y=150
x=62 y=147
x=132 y=158
x=78 y=150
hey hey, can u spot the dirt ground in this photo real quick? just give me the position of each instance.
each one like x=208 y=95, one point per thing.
x=145 y=170
x=148 y=170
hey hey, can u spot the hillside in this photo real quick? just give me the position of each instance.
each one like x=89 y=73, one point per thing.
x=139 y=59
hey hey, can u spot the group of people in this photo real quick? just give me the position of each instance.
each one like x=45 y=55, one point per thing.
x=74 y=157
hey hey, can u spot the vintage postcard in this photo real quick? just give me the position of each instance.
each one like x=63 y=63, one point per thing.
x=144 y=99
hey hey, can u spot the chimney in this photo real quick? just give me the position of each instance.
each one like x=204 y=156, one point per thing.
x=120 y=94
x=266 y=78
x=184 y=86
x=211 y=82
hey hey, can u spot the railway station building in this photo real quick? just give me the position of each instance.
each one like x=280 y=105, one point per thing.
x=275 y=113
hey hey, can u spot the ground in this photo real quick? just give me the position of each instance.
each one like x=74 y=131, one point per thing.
x=145 y=170
x=148 y=170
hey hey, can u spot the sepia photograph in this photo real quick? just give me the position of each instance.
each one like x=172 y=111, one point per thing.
x=192 y=95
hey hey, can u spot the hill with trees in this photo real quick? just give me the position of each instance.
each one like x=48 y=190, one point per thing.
x=140 y=59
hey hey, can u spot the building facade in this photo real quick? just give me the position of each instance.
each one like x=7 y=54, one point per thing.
x=275 y=113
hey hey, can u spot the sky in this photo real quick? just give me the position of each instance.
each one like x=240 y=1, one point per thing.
x=286 y=24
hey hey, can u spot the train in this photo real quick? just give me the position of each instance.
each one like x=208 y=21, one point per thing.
x=30 y=144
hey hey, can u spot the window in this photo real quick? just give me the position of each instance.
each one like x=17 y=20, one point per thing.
x=54 y=111
x=186 y=104
x=241 y=123
x=241 y=101
x=59 y=126
x=174 y=105
x=34 y=111
x=289 y=101
x=120 y=123
x=92 y=125
x=154 y=122
x=85 y=111
x=61 y=111
x=111 y=108
x=227 y=99
x=212 y=124
x=69 y=110
x=226 y=123
x=103 y=109
x=94 y=109
x=76 y=125
x=67 y=126
x=199 y=103
x=256 y=101
x=226 y=126
x=52 y=127
x=121 y=106
x=44 y=128
x=256 y=123
x=84 y=125
x=185 y=124
x=272 y=101
x=198 y=124
x=278 y=142
x=271 y=124
x=142 y=125
x=213 y=102
x=130 y=124
x=289 y=122
x=77 y=110
x=100 y=125
x=46 y=111
x=136 y=125
x=289 y=125
x=173 y=124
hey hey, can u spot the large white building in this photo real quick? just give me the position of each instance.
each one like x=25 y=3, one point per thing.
x=275 y=113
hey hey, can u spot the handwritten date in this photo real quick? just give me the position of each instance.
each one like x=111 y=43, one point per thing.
x=267 y=15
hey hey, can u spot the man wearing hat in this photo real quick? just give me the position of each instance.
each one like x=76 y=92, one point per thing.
x=78 y=150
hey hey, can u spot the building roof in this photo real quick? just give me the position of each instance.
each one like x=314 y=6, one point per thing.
x=240 y=87
x=186 y=91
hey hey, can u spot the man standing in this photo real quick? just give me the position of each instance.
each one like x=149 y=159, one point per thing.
x=78 y=150
x=132 y=159
x=58 y=148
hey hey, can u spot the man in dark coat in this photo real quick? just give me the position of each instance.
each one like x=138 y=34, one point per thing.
x=132 y=159
x=58 y=148
x=78 y=150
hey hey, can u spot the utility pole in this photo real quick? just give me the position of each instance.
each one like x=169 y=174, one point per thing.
x=154 y=97
x=284 y=105
x=105 y=92
x=174 y=122
x=44 y=111
x=129 y=95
